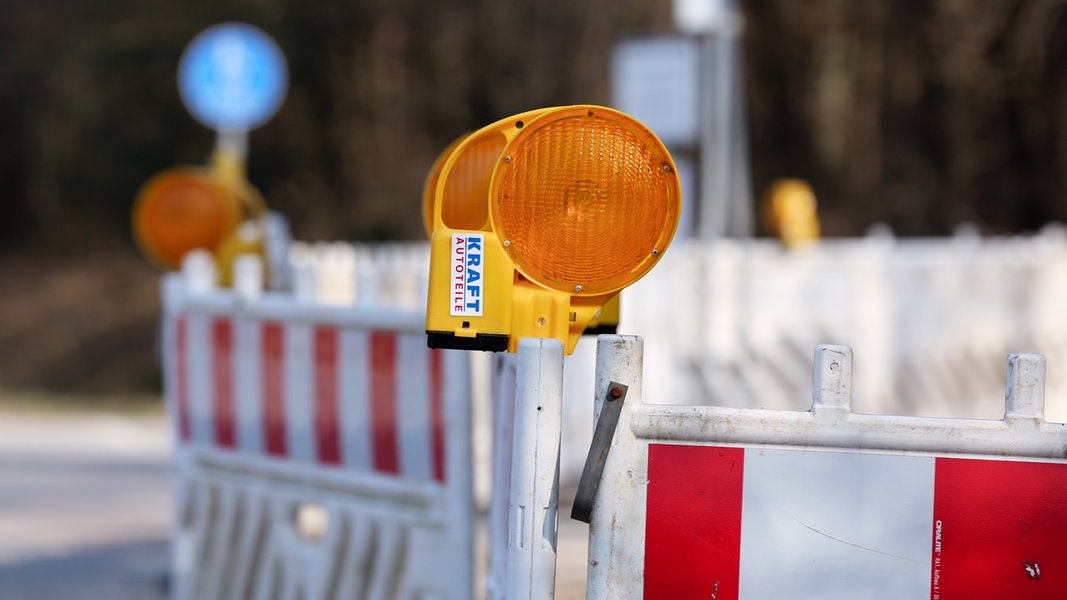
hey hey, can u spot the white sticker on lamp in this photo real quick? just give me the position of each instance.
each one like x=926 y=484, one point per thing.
x=467 y=269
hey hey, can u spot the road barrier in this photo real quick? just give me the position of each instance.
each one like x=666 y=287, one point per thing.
x=732 y=322
x=323 y=451
x=320 y=451
x=727 y=503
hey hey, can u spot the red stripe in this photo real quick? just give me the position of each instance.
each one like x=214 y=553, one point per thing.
x=222 y=375
x=437 y=420
x=274 y=389
x=327 y=421
x=693 y=525
x=181 y=377
x=1000 y=523
x=383 y=402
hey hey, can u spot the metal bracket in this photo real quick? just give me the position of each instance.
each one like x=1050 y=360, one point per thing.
x=582 y=510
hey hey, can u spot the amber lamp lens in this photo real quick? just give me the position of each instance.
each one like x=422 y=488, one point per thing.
x=585 y=200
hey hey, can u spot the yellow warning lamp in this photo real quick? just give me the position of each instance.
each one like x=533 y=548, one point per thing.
x=185 y=208
x=478 y=158
x=791 y=212
x=540 y=219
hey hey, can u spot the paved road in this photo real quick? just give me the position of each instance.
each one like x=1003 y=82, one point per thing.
x=84 y=507
x=85 y=511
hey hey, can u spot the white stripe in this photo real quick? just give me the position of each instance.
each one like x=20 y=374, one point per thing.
x=824 y=525
x=199 y=361
x=248 y=384
x=413 y=407
x=298 y=356
x=353 y=393
x=172 y=375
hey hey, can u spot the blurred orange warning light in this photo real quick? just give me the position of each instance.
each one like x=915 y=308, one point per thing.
x=182 y=209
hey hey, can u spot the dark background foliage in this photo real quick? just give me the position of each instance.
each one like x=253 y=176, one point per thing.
x=921 y=115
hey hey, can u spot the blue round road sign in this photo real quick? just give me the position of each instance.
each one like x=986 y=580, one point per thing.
x=232 y=77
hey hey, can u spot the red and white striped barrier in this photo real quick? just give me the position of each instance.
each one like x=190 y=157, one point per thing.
x=846 y=524
x=284 y=409
x=319 y=394
x=726 y=503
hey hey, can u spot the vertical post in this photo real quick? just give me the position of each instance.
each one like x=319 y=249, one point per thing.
x=531 y=566
x=199 y=272
x=248 y=276
x=832 y=385
x=724 y=188
x=503 y=434
x=231 y=147
x=1024 y=396
x=616 y=530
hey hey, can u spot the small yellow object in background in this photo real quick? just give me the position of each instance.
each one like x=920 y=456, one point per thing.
x=791 y=212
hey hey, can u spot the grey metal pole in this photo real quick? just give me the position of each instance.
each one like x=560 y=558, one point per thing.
x=725 y=208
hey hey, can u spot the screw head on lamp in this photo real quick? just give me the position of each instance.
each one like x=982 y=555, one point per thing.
x=542 y=218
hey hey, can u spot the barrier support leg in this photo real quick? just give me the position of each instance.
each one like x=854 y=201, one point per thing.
x=503 y=400
x=532 y=522
x=616 y=546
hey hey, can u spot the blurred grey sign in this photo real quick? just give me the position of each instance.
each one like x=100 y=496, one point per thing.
x=657 y=81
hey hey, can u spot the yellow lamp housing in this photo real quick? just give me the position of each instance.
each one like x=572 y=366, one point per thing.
x=790 y=212
x=540 y=220
x=606 y=321
x=429 y=188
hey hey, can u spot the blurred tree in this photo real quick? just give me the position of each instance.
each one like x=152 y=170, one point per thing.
x=90 y=107
x=921 y=115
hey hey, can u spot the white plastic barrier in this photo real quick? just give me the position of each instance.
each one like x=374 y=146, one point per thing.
x=380 y=274
x=321 y=451
x=730 y=323
x=728 y=503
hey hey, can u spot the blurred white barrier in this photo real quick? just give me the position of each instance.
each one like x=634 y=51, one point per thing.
x=730 y=323
x=370 y=274
x=321 y=451
x=728 y=503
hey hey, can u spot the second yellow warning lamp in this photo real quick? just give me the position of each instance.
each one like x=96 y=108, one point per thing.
x=187 y=208
x=539 y=220
x=791 y=213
